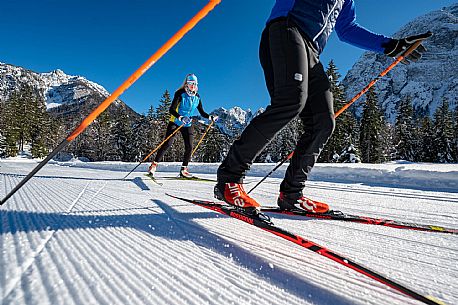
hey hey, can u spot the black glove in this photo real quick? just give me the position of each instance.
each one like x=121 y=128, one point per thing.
x=396 y=47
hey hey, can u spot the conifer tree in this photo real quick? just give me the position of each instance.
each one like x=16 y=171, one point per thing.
x=100 y=146
x=26 y=121
x=344 y=137
x=2 y=145
x=3 y=130
x=426 y=151
x=405 y=139
x=162 y=114
x=349 y=155
x=121 y=136
x=455 y=119
x=209 y=148
x=443 y=134
x=142 y=137
x=15 y=116
x=371 y=131
x=40 y=123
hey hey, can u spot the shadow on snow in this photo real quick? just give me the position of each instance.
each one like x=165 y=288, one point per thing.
x=173 y=225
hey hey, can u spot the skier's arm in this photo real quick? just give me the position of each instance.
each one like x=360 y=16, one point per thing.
x=351 y=32
x=201 y=109
x=176 y=101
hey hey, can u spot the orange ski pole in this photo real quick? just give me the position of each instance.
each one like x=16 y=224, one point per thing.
x=200 y=141
x=132 y=79
x=157 y=147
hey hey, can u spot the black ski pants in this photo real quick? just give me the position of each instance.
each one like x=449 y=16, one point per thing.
x=187 y=134
x=298 y=86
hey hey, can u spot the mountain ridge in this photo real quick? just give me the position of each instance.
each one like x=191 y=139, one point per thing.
x=428 y=81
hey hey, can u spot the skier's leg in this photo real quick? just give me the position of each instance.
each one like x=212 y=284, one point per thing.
x=289 y=74
x=170 y=129
x=318 y=120
x=187 y=133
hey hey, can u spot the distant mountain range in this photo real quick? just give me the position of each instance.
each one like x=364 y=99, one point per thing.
x=427 y=82
x=67 y=95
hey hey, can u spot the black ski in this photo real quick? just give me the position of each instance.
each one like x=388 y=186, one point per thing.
x=153 y=179
x=193 y=178
x=338 y=215
x=265 y=224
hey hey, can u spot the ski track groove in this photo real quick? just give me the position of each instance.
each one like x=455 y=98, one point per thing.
x=319 y=269
x=97 y=268
x=25 y=264
x=105 y=253
x=234 y=284
x=130 y=270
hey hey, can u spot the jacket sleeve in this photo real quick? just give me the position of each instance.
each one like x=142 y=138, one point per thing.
x=175 y=102
x=201 y=109
x=351 y=32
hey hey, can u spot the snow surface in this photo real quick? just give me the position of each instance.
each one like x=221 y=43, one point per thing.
x=77 y=233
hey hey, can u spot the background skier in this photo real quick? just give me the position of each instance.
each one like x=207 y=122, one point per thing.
x=185 y=102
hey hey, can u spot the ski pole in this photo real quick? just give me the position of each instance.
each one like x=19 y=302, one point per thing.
x=380 y=76
x=354 y=99
x=157 y=147
x=132 y=79
x=271 y=172
x=200 y=141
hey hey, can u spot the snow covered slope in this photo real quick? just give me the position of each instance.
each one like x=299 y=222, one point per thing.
x=428 y=81
x=80 y=234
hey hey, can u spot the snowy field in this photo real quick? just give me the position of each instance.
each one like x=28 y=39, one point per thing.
x=78 y=233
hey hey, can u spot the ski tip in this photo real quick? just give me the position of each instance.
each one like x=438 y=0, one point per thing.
x=430 y=297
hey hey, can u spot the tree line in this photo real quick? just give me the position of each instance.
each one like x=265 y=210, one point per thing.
x=118 y=135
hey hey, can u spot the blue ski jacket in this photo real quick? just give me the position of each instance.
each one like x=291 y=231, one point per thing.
x=317 y=19
x=185 y=105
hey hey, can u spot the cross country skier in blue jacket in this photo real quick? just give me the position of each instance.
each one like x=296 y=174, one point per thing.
x=295 y=35
x=184 y=104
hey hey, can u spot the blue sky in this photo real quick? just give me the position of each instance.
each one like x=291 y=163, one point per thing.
x=107 y=40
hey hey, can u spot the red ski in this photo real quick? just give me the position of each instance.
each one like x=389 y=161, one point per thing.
x=338 y=215
x=263 y=222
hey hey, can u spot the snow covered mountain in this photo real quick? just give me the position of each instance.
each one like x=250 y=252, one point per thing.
x=232 y=121
x=65 y=95
x=57 y=87
x=426 y=82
